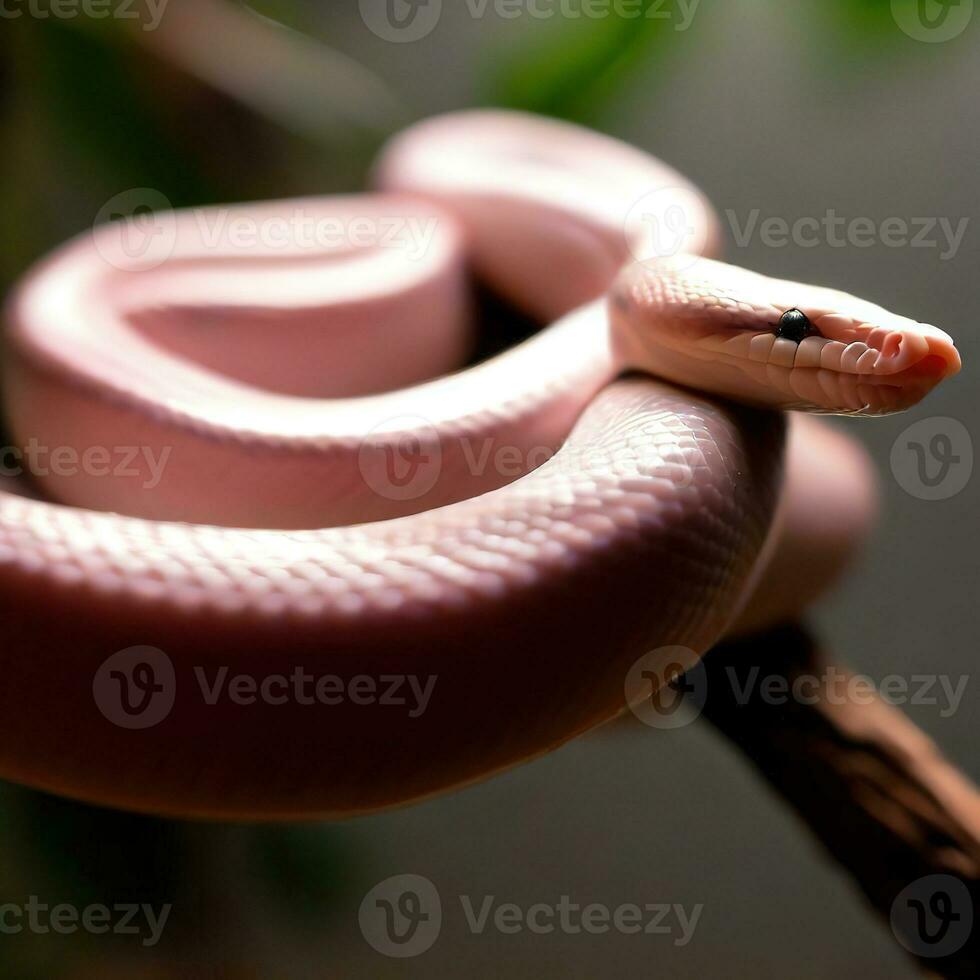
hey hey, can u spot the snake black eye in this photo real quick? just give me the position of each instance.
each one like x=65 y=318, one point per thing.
x=794 y=325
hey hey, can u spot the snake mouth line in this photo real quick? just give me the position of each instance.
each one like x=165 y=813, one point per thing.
x=845 y=366
x=836 y=377
x=852 y=349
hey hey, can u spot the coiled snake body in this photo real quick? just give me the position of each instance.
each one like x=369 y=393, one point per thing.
x=455 y=547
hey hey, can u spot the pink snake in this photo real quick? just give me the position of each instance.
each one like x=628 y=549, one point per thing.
x=669 y=516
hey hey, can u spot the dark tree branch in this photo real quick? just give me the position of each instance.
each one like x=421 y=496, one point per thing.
x=872 y=787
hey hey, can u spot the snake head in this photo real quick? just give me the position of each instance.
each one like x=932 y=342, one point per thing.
x=781 y=344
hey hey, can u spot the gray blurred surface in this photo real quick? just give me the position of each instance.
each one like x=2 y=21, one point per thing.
x=761 y=117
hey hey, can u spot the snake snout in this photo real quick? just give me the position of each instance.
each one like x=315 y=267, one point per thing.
x=779 y=344
x=888 y=346
x=872 y=363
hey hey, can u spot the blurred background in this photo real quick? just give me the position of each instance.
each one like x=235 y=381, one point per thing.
x=865 y=108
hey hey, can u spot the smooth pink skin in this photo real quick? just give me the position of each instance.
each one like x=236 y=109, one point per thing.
x=529 y=598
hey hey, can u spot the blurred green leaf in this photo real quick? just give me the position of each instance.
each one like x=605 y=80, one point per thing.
x=856 y=22
x=579 y=65
x=872 y=25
